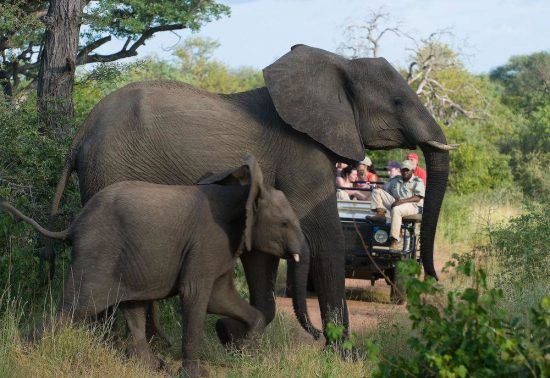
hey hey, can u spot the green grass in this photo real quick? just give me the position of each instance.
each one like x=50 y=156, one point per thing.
x=466 y=219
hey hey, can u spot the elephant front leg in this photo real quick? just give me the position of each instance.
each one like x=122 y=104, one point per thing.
x=261 y=272
x=194 y=301
x=226 y=301
x=325 y=239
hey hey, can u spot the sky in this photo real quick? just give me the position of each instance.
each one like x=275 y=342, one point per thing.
x=486 y=32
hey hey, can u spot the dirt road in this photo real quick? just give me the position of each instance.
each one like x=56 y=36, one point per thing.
x=367 y=305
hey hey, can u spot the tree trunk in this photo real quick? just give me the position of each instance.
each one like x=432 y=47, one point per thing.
x=57 y=66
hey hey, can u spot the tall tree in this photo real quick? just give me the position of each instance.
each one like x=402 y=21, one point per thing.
x=58 y=63
x=362 y=39
x=24 y=22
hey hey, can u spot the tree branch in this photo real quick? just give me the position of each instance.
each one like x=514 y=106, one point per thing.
x=132 y=51
x=83 y=53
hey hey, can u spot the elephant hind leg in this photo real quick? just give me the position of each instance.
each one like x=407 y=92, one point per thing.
x=135 y=314
x=242 y=317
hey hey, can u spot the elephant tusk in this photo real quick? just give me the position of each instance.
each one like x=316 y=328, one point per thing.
x=442 y=146
x=295 y=257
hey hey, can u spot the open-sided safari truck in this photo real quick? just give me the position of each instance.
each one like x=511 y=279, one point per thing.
x=367 y=245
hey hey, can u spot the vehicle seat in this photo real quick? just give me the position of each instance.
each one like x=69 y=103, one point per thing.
x=415 y=218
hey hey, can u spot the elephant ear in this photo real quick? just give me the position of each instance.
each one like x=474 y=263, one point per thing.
x=308 y=88
x=247 y=174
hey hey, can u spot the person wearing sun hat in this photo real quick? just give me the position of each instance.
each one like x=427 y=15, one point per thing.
x=403 y=195
x=365 y=170
x=417 y=171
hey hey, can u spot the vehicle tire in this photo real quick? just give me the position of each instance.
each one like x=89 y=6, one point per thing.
x=397 y=291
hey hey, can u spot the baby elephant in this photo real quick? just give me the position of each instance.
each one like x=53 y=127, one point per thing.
x=135 y=242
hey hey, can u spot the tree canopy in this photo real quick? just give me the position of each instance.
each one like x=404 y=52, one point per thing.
x=526 y=81
x=22 y=30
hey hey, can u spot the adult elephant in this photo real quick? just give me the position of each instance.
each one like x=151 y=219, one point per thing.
x=317 y=108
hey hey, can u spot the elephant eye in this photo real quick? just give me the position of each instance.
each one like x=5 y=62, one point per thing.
x=284 y=223
x=398 y=101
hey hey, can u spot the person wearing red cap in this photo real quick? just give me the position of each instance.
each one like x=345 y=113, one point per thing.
x=417 y=171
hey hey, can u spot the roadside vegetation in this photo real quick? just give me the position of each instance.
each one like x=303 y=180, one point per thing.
x=494 y=221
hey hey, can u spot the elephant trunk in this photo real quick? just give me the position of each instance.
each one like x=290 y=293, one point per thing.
x=299 y=274
x=437 y=162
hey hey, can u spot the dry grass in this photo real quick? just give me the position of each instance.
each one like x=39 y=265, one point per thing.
x=69 y=351
x=85 y=351
x=283 y=351
x=465 y=220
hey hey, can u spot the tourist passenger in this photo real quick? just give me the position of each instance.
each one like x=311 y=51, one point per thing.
x=339 y=167
x=393 y=168
x=404 y=195
x=417 y=171
x=366 y=172
x=349 y=176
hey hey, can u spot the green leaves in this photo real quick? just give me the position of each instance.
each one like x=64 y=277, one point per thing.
x=334 y=332
x=132 y=18
x=469 y=334
x=525 y=79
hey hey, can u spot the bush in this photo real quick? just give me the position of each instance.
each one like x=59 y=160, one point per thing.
x=469 y=335
x=30 y=165
x=530 y=150
x=519 y=258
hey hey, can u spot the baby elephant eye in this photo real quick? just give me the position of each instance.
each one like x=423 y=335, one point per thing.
x=284 y=223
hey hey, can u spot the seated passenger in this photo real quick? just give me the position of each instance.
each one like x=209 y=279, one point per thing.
x=393 y=168
x=339 y=167
x=349 y=176
x=366 y=172
x=417 y=171
x=403 y=195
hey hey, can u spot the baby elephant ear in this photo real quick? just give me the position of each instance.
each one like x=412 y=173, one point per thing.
x=247 y=174
x=256 y=191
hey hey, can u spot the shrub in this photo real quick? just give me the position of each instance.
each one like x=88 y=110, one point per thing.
x=519 y=258
x=470 y=334
x=30 y=164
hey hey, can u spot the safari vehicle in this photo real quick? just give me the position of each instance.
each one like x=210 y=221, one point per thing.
x=367 y=245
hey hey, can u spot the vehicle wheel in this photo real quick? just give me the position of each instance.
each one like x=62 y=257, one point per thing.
x=397 y=291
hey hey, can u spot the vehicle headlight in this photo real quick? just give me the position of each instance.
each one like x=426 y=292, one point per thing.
x=381 y=236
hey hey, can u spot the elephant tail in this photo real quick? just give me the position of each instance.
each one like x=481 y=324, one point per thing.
x=61 y=235
x=48 y=252
x=65 y=175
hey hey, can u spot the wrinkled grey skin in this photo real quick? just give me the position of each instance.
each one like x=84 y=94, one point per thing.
x=135 y=242
x=317 y=108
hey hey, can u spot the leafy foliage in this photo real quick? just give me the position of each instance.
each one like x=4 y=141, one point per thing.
x=22 y=31
x=131 y=18
x=29 y=169
x=530 y=151
x=478 y=164
x=470 y=334
x=526 y=81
